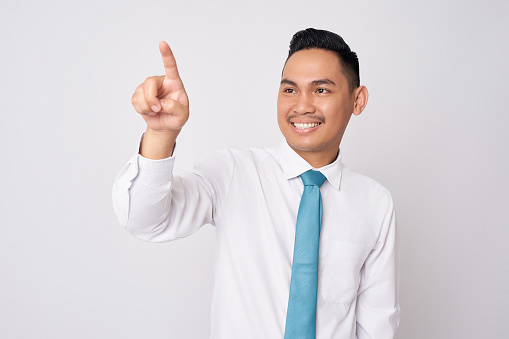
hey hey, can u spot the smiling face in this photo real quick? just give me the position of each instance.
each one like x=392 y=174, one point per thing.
x=315 y=104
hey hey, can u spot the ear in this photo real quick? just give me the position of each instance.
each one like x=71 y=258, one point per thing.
x=360 y=95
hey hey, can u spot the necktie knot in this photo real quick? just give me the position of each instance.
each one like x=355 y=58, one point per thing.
x=313 y=178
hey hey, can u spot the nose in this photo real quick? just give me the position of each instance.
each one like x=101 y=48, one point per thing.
x=304 y=104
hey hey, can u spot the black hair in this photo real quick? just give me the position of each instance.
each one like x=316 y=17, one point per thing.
x=311 y=38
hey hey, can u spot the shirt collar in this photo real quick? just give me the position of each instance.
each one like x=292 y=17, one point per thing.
x=293 y=165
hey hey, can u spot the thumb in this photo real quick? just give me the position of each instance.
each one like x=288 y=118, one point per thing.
x=179 y=111
x=173 y=106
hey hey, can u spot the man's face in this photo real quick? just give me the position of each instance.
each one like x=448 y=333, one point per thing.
x=314 y=104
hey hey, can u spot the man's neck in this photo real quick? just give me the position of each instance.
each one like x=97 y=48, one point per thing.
x=318 y=159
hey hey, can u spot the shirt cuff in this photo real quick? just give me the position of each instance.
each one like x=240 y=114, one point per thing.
x=155 y=172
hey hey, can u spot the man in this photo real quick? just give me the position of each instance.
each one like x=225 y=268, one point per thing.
x=252 y=196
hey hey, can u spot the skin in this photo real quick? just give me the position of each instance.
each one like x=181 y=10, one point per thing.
x=314 y=90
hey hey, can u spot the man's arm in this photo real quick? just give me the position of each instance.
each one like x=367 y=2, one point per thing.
x=377 y=300
x=155 y=205
x=149 y=201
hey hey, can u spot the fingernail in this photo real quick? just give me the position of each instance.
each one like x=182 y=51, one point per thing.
x=154 y=108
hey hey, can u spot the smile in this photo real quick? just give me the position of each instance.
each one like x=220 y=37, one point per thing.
x=304 y=126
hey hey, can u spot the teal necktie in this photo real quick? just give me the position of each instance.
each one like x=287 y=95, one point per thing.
x=301 y=314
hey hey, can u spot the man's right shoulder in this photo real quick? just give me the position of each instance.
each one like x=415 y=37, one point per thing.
x=241 y=156
x=244 y=162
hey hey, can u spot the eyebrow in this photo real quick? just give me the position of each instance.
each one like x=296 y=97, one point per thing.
x=313 y=83
x=323 y=81
x=288 y=82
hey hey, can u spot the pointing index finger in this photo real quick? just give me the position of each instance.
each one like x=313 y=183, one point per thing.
x=170 y=65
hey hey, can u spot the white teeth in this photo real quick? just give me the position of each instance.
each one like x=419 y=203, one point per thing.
x=304 y=126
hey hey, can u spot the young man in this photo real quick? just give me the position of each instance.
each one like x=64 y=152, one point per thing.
x=277 y=272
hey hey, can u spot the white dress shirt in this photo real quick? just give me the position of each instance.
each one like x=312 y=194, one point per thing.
x=252 y=197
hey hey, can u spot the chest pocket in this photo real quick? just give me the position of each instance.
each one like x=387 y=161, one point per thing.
x=340 y=266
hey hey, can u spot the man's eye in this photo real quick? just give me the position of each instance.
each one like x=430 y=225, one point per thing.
x=322 y=90
x=289 y=90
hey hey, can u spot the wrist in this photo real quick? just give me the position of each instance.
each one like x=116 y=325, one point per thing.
x=162 y=134
x=158 y=144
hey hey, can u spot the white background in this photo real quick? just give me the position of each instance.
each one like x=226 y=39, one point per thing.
x=434 y=133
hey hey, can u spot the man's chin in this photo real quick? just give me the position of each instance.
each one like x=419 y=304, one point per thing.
x=304 y=147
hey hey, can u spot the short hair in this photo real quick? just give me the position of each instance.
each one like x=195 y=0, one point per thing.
x=311 y=38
